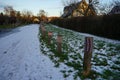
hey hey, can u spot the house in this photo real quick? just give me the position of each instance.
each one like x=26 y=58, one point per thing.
x=81 y=8
x=115 y=10
x=36 y=20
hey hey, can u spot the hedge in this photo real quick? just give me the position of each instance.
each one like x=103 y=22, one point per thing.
x=106 y=26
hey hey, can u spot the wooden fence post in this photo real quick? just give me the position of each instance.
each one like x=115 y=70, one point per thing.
x=59 y=43
x=42 y=23
x=87 y=55
x=49 y=37
x=43 y=30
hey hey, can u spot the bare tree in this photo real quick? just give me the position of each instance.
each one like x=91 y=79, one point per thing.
x=94 y=7
x=116 y=2
x=13 y=13
x=91 y=6
x=18 y=14
x=27 y=13
x=105 y=8
x=1 y=18
x=27 y=16
x=8 y=10
x=43 y=15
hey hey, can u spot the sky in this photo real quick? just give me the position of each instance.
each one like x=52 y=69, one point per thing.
x=52 y=7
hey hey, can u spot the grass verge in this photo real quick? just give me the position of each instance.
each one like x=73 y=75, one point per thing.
x=105 y=60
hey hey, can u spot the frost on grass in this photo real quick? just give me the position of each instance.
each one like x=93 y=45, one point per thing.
x=105 y=57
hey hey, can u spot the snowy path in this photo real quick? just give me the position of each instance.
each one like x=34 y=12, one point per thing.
x=21 y=58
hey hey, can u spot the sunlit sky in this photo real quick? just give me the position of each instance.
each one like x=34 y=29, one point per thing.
x=52 y=7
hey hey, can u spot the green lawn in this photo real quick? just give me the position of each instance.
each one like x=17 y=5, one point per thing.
x=8 y=26
x=105 y=58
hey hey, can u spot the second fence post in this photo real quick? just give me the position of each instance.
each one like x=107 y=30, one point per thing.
x=59 y=43
x=43 y=31
x=49 y=37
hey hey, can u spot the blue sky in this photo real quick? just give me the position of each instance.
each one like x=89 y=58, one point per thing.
x=52 y=7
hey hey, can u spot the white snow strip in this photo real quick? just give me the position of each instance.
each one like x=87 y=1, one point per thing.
x=21 y=58
x=96 y=37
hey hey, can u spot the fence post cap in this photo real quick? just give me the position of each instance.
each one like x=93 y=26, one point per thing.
x=50 y=33
x=59 y=38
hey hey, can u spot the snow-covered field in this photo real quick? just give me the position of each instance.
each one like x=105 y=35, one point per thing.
x=105 y=57
x=21 y=57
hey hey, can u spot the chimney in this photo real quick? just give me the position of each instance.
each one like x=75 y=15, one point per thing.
x=90 y=1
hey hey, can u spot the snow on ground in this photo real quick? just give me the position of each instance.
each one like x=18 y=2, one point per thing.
x=105 y=57
x=21 y=58
x=90 y=35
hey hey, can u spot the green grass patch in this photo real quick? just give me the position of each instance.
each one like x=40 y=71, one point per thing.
x=104 y=54
x=10 y=26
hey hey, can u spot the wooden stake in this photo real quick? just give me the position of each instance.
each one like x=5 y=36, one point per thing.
x=87 y=55
x=43 y=30
x=49 y=37
x=59 y=43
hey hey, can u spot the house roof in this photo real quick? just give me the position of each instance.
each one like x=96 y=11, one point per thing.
x=69 y=10
x=115 y=10
x=36 y=20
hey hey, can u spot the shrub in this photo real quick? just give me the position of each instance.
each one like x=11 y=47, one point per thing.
x=105 y=26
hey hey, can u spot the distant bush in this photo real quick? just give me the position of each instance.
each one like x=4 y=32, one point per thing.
x=105 y=26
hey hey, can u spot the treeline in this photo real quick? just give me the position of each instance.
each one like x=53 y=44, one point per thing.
x=12 y=18
x=17 y=19
x=105 y=26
